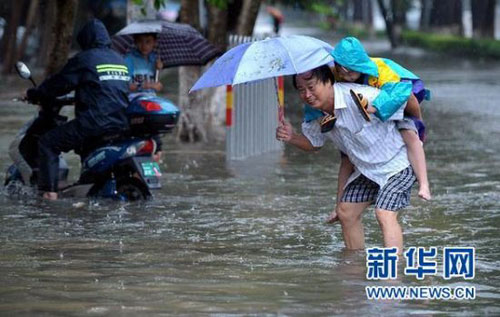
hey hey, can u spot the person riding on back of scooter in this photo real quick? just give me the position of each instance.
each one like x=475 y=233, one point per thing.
x=100 y=79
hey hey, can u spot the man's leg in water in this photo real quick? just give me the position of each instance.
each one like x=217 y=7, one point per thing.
x=394 y=196
x=391 y=230
x=350 y=216
x=60 y=139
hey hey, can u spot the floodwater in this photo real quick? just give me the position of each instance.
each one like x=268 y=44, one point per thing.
x=248 y=237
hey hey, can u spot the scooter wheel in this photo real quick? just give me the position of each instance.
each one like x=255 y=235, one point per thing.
x=132 y=189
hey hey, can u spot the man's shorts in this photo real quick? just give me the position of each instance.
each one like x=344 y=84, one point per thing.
x=393 y=196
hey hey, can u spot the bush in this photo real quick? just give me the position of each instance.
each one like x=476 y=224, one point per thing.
x=453 y=44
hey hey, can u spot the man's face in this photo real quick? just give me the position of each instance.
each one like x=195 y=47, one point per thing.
x=313 y=92
x=145 y=44
x=346 y=74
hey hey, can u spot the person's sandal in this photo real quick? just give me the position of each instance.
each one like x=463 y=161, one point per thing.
x=362 y=104
x=327 y=123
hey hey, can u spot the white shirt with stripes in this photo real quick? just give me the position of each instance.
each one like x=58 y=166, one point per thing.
x=375 y=148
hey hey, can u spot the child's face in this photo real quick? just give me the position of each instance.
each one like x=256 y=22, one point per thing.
x=346 y=74
x=145 y=44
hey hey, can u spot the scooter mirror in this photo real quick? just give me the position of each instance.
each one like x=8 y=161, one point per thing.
x=23 y=70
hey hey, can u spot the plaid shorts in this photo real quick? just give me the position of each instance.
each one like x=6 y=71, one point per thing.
x=393 y=196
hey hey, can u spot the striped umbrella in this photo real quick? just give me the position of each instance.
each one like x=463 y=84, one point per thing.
x=177 y=44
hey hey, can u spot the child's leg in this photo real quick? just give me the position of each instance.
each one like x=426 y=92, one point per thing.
x=416 y=156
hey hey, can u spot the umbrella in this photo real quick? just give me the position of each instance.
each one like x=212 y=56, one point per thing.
x=177 y=44
x=278 y=56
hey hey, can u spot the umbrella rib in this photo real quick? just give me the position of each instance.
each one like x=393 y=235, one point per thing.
x=239 y=62
x=290 y=57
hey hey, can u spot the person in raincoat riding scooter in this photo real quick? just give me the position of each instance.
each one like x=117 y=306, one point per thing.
x=99 y=77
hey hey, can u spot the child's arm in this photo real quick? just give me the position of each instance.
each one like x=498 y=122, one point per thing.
x=130 y=66
x=133 y=86
x=416 y=156
x=159 y=64
x=392 y=96
x=413 y=107
x=156 y=85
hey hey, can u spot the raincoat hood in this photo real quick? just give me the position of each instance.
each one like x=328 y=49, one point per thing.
x=350 y=53
x=93 y=34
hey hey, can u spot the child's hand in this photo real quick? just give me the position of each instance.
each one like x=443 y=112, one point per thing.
x=333 y=217
x=371 y=109
x=159 y=64
x=133 y=86
x=157 y=86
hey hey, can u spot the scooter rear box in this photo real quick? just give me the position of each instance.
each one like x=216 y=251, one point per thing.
x=152 y=115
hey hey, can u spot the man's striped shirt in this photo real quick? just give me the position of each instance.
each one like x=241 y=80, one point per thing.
x=375 y=148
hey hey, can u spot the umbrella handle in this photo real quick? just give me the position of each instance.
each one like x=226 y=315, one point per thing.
x=278 y=85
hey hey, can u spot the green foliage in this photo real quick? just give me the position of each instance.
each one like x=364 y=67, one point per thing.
x=321 y=8
x=157 y=5
x=221 y=4
x=453 y=44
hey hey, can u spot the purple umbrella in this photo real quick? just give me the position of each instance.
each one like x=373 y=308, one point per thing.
x=178 y=44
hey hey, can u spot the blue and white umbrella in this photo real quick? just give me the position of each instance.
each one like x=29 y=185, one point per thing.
x=274 y=57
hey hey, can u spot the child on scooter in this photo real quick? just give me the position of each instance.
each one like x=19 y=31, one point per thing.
x=143 y=65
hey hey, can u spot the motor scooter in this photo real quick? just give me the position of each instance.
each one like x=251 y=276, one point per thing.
x=116 y=165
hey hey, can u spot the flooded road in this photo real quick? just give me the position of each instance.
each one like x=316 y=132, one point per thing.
x=249 y=237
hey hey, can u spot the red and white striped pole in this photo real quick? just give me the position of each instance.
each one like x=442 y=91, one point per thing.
x=281 y=99
x=229 y=106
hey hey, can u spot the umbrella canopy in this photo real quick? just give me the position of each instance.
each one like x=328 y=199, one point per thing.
x=278 y=56
x=177 y=44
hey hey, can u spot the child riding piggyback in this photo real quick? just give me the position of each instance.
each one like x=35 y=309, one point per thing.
x=398 y=87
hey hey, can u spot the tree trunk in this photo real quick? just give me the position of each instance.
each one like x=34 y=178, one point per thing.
x=46 y=24
x=217 y=35
x=368 y=17
x=399 y=9
x=63 y=32
x=362 y=14
x=358 y=13
x=192 y=121
x=189 y=13
x=232 y=19
x=9 y=44
x=483 y=18
x=195 y=117
x=130 y=11
x=217 y=27
x=248 y=16
x=446 y=16
x=29 y=27
x=425 y=14
x=389 y=25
